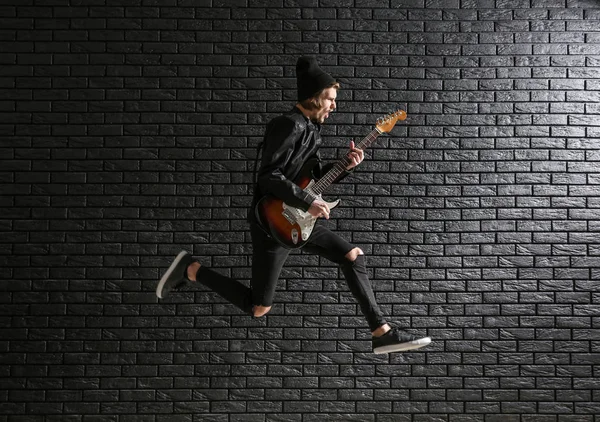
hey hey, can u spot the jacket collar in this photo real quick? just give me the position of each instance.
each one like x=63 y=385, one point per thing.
x=308 y=121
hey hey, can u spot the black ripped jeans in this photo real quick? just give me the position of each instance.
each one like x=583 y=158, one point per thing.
x=268 y=258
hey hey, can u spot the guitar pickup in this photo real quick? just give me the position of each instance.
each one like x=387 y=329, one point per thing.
x=288 y=216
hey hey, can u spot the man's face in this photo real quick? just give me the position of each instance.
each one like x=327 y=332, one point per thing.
x=327 y=99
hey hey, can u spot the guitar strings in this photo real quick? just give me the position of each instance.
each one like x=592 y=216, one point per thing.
x=320 y=186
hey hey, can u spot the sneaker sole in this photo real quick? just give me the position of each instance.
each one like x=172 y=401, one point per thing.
x=402 y=347
x=165 y=277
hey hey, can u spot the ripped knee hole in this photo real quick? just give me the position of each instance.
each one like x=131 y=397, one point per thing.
x=353 y=254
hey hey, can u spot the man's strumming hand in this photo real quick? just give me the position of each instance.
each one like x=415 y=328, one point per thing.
x=319 y=208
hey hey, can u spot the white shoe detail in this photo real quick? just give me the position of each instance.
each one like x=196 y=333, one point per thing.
x=401 y=347
x=165 y=277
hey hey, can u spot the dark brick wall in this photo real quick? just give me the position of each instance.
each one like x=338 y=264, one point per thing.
x=128 y=130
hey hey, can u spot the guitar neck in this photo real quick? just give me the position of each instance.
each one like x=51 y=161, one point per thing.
x=341 y=165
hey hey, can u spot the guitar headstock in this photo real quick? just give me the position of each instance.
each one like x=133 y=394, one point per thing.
x=387 y=123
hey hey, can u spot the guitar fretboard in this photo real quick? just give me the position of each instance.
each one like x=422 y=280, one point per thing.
x=338 y=168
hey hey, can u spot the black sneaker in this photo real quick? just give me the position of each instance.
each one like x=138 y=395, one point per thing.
x=397 y=340
x=176 y=275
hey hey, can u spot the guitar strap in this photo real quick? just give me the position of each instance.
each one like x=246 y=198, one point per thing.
x=259 y=149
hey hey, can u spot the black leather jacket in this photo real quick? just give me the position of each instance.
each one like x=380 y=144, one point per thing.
x=290 y=140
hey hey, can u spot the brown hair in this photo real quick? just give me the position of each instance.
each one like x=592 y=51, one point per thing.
x=314 y=102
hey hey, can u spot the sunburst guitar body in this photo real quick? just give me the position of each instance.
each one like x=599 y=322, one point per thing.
x=290 y=226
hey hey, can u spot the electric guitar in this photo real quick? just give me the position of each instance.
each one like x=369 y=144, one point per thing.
x=292 y=227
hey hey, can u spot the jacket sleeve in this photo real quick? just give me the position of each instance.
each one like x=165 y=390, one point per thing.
x=280 y=141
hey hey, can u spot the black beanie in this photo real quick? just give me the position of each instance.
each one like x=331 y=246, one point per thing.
x=310 y=78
